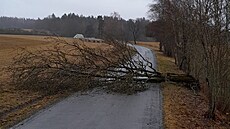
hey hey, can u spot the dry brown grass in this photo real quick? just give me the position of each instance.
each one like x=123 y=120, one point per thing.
x=10 y=97
x=182 y=108
x=180 y=111
x=9 y=45
x=165 y=64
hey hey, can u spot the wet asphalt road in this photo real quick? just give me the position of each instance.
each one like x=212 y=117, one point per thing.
x=100 y=110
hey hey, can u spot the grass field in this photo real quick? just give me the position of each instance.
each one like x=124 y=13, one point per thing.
x=180 y=111
x=10 y=97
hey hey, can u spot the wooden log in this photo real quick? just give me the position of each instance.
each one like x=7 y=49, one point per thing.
x=187 y=80
x=174 y=78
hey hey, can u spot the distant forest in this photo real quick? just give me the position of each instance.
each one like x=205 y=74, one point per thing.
x=71 y=24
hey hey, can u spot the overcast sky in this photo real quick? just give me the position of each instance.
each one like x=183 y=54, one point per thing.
x=128 y=9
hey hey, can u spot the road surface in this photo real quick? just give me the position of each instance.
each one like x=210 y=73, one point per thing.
x=100 y=110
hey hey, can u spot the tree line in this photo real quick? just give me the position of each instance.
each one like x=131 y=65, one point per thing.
x=70 y=24
x=196 y=34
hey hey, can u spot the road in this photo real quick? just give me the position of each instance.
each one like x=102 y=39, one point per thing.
x=100 y=110
x=148 y=54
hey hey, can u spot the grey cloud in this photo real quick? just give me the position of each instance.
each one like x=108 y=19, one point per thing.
x=42 y=8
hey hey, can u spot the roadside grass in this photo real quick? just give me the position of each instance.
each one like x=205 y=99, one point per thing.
x=10 y=97
x=16 y=105
x=181 y=107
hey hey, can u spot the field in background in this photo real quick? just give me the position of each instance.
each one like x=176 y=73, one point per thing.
x=9 y=44
x=13 y=102
x=10 y=97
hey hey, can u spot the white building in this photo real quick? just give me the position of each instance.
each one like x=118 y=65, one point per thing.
x=79 y=36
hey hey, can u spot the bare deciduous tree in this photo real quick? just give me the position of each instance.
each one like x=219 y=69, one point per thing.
x=79 y=66
x=199 y=40
x=76 y=65
x=134 y=27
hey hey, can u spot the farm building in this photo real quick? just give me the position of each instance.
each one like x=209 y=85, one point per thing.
x=79 y=36
x=94 y=40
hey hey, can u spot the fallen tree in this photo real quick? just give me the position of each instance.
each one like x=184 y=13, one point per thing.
x=80 y=66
